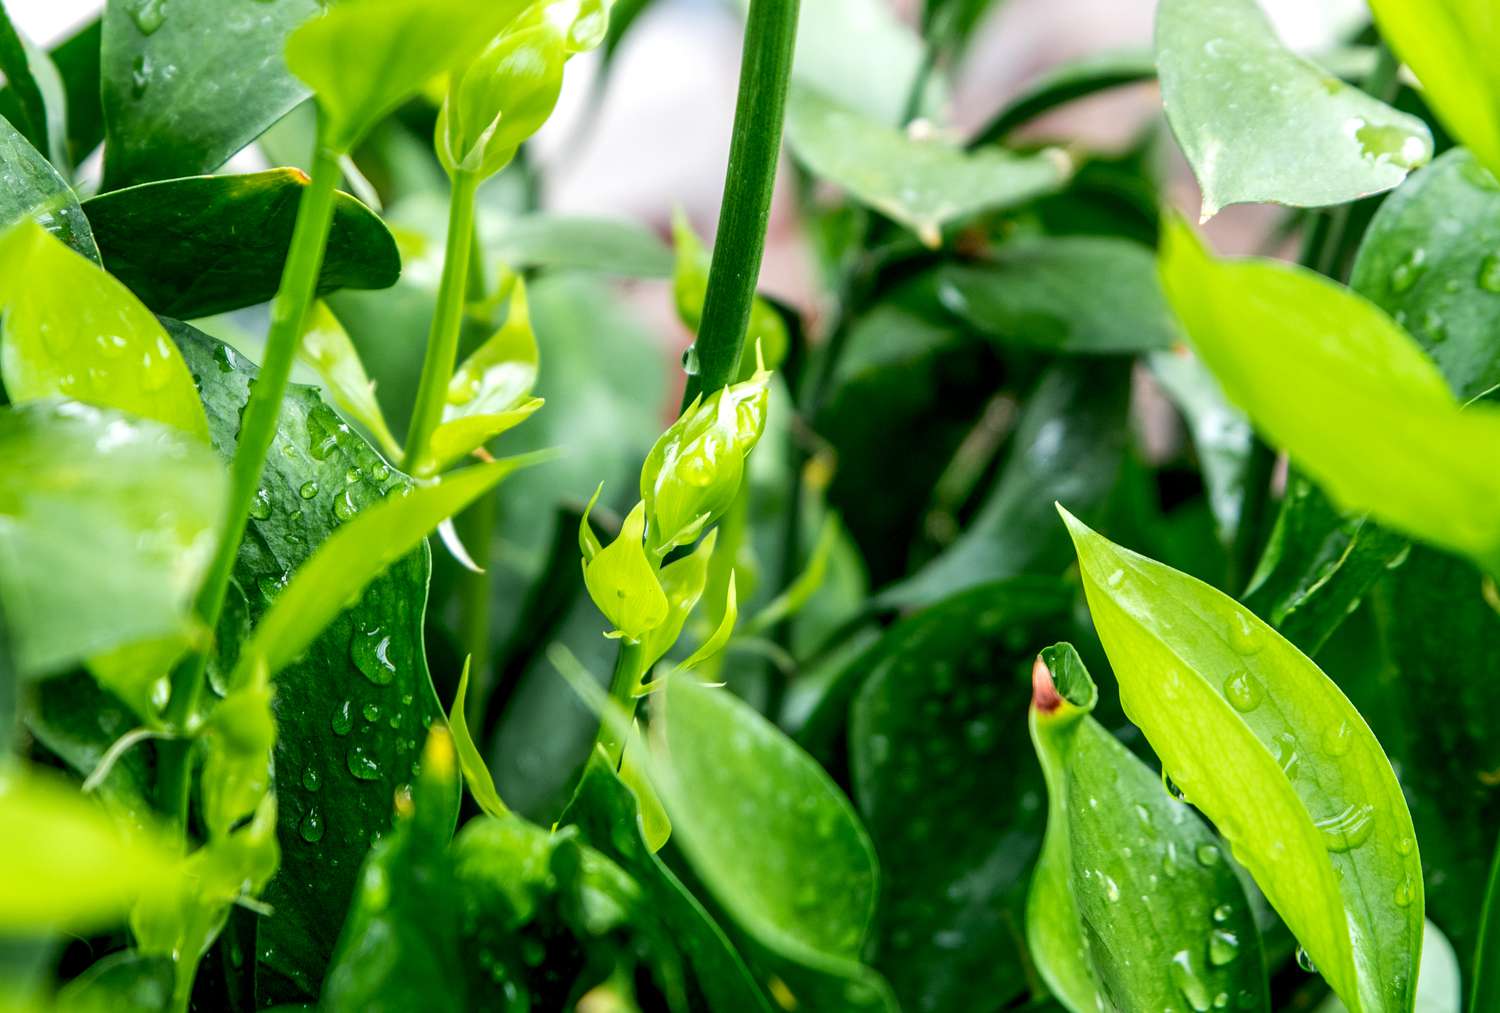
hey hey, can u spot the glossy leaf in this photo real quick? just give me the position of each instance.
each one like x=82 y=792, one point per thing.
x=1429 y=259
x=72 y=867
x=73 y=331
x=1071 y=294
x=326 y=347
x=682 y=581
x=83 y=485
x=1448 y=45
x=362 y=60
x=923 y=184
x=1439 y=988
x=476 y=774
x=1260 y=124
x=623 y=583
x=1270 y=750
x=1311 y=363
x=949 y=790
x=1132 y=902
x=186 y=85
x=34 y=101
x=775 y=842
x=1221 y=435
x=606 y=245
x=35 y=190
x=202 y=245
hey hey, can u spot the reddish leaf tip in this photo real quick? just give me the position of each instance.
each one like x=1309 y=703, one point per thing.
x=1044 y=695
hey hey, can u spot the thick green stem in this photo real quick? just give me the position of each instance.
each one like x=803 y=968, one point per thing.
x=299 y=282
x=739 y=243
x=622 y=690
x=442 y=338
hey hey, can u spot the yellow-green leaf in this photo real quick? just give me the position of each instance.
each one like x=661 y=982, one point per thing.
x=327 y=348
x=623 y=583
x=73 y=331
x=1269 y=749
x=470 y=760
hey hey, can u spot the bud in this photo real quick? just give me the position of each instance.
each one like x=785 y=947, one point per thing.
x=501 y=99
x=692 y=474
x=623 y=583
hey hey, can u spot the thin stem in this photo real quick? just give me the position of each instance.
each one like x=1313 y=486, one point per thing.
x=478 y=525
x=299 y=282
x=622 y=690
x=765 y=68
x=442 y=338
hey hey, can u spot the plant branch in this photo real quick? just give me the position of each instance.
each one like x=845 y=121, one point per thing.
x=622 y=686
x=765 y=68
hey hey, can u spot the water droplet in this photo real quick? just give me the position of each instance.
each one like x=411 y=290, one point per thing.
x=690 y=360
x=1244 y=691
x=1337 y=739
x=111 y=346
x=1208 y=854
x=1111 y=888
x=57 y=340
x=380 y=473
x=370 y=651
x=308 y=490
x=148 y=15
x=343 y=718
x=1405 y=845
x=312 y=826
x=1115 y=579
x=1406 y=273
x=1348 y=828
x=322 y=437
x=1189 y=982
x=311 y=779
x=1221 y=1001
x=344 y=506
x=371 y=711
x=1222 y=913
x=1404 y=893
x=1169 y=860
x=140 y=75
x=1489 y=273
x=1304 y=961
x=1287 y=757
x=270 y=586
x=1433 y=328
x=260 y=506
x=362 y=765
x=1223 y=947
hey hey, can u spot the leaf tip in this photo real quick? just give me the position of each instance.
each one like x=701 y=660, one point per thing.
x=1044 y=695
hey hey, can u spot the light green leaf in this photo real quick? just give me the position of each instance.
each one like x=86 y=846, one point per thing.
x=655 y=825
x=72 y=331
x=1132 y=901
x=874 y=77
x=356 y=554
x=682 y=581
x=1439 y=985
x=326 y=348
x=1315 y=366
x=69 y=866
x=774 y=840
x=922 y=183
x=1269 y=749
x=35 y=190
x=720 y=636
x=364 y=59
x=470 y=760
x=83 y=486
x=501 y=98
x=238 y=738
x=1260 y=124
x=607 y=245
x=623 y=583
x=1450 y=46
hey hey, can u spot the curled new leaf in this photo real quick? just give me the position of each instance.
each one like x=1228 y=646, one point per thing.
x=623 y=583
x=682 y=581
x=470 y=760
x=501 y=99
x=1131 y=901
x=1269 y=749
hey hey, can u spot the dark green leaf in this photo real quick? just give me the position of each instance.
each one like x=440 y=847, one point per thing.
x=950 y=793
x=33 y=101
x=77 y=61
x=186 y=85
x=208 y=244
x=1221 y=435
x=35 y=190
x=1072 y=80
x=1486 y=991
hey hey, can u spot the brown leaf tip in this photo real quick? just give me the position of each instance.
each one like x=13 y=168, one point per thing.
x=1044 y=695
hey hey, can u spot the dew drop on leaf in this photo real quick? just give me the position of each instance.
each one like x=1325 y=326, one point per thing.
x=312 y=826
x=309 y=490
x=1286 y=753
x=1223 y=947
x=1404 y=893
x=370 y=651
x=148 y=15
x=1222 y=913
x=1208 y=854
x=362 y=765
x=1337 y=739
x=380 y=473
x=344 y=506
x=343 y=718
x=1189 y=982
x=1305 y=962
x=311 y=779
x=1243 y=691
x=1348 y=828
x=1406 y=274
x=1115 y=579
x=322 y=438
x=1405 y=845
x=1244 y=638
x=1489 y=273
x=260 y=506
x=371 y=711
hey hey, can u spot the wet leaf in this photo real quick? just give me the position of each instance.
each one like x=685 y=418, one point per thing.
x=1311 y=363
x=72 y=331
x=1132 y=903
x=1270 y=750
x=34 y=102
x=775 y=842
x=35 y=190
x=1439 y=989
x=1260 y=124
x=85 y=484
x=1448 y=45
x=186 y=85
x=923 y=184
x=202 y=245
x=951 y=795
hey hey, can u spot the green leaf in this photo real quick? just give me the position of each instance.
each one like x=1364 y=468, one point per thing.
x=608 y=814
x=73 y=331
x=501 y=98
x=923 y=184
x=1132 y=903
x=1068 y=447
x=1269 y=749
x=874 y=78
x=1260 y=124
x=1312 y=364
x=1439 y=989
x=950 y=792
x=623 y=583
x=1071 y=294
x=34 y=101
x=1487 y=953
x=470 y=760
x=78 y=721
x=1067 y=82
x=71 y=867
x=124 y=982
x=186 y=85
x=202 y=245
x=1221 y=435
x=554 y=241
x=77 y=61
x=35 y=190
x=1429 y=259
x=682 y=581
x=775 y=842
x=362 y=60
x=1448 y=44
x=326 y=347
x=82 y=485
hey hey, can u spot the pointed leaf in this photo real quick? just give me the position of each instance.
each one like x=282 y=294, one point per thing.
x=1270 y=750
x=1260 y=124
x=35 y=190
x=623 y=583
x=34 y=101
x=470 y=760
x=326 y=347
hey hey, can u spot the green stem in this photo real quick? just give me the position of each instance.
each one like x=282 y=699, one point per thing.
x=765 y=68
x=477 y=525
x=442 y=338
x=622 y=690
x=299 y=282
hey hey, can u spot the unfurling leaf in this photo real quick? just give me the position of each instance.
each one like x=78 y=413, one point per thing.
x=502 y=98
x=1269 y=749
x=624 y=584
x=682 y=581
x=1132 y=904
x=470 y=760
